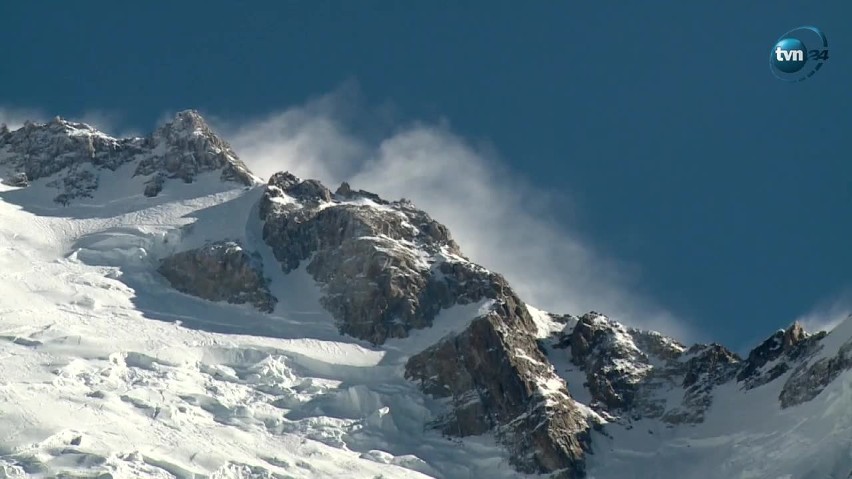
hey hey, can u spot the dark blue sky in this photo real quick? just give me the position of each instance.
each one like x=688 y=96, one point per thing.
x=731 y=190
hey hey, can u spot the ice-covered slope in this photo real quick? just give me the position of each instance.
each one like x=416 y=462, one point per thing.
x=365 y=344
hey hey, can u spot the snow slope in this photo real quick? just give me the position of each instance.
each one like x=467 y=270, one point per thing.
x=109 y=372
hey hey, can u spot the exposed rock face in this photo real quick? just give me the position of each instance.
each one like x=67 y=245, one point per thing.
x=220 y=271
x=74 y=155
x=619 y=374
x=629 y=371
x=496 y=379
x=387 y=268
x=595 y=346
x=19 y=180
x=186 y=147
x=708 y=366
x=779 y=352
x=811 y=377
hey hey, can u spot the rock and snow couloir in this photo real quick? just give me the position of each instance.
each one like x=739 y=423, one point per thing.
x=310 y=333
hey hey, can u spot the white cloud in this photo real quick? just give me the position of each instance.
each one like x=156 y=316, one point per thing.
x=827 y=314
x=499 y=218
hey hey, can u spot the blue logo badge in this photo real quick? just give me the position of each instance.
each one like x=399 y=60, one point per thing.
x=790 y=60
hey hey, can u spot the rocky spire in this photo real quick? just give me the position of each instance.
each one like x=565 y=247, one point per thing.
x=782 y=348
x=186 y=122
x=186 y=147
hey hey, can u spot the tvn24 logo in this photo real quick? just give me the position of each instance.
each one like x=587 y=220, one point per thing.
x=790 y=56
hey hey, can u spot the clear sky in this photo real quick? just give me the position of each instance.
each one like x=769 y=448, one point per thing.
x=725 y=193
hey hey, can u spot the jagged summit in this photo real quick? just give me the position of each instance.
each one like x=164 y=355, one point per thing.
x=362 y=247
x=187 y=124
x=185 y=147
x=72 y=157
x=190 y=121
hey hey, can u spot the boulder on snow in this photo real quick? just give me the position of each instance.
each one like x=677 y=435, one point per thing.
x=220 y=271
x=18 y=180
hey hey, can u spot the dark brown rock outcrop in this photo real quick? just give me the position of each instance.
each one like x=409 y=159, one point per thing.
x=385 y=268
x=220 y=271
x=496 y=379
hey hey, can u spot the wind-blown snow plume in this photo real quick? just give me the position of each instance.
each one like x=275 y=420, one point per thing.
x=499 y=218
x=14 y=118
x=107 y=121
x=829 y=313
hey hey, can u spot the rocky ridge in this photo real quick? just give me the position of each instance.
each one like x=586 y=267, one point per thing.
x=630 y=373
x=71 y=156
x=386 y=267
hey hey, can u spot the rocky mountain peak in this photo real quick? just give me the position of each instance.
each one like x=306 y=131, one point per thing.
x=72 y=157
x=387 y=267
x=188 y=123
x=186 y=147
x=793 y=336
x=629 y=371
x=777 y=354
x=188 y=120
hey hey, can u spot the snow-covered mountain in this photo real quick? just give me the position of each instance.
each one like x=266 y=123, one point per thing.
x=166 y=314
